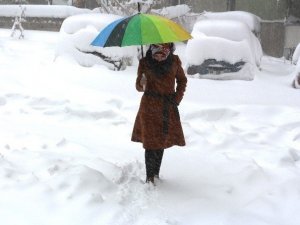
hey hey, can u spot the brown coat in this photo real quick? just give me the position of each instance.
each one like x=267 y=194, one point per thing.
x=157 y=123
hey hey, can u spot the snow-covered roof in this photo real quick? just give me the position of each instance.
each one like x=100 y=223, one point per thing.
x=252 y=21
x=52 y=11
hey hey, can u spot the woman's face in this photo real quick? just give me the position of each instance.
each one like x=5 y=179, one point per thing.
x=160 y=51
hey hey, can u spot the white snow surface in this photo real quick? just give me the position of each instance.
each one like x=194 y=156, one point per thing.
x=66 y=155
x=173 y=11
x=296 y=54
x=231 y=30
x=251 y=20
x=54 y=11
x=203 y=47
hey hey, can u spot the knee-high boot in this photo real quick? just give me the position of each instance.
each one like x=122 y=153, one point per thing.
x=153 y=159
x=158 y=155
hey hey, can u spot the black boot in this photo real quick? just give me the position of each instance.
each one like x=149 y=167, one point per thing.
x=150 y=162
x=158 y=159
x=153 y=159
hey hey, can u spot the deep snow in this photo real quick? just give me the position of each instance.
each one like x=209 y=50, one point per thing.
x=66 y=155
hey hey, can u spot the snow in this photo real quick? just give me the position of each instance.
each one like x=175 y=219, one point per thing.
x=140 y=1
x=202 y=47
x=231 y=30
x=66 y=155
x=251 y=20
x=54 y=11
x=172 y=11
x=77 y=33
x=296 y=54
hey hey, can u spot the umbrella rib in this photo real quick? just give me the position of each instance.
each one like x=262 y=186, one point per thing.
x=117 y=34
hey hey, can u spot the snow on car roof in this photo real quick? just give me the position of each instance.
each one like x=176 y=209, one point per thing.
x=251 y=20
x=98 y=20
x=229 y=29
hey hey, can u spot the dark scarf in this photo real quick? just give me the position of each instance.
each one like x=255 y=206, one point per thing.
x=159 y=69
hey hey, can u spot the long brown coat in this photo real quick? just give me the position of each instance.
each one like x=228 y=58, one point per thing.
x=157 y=123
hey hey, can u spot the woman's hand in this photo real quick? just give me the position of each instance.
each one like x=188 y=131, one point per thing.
x=143 y=82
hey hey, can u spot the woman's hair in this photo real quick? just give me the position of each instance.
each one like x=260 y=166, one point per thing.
x=160 y=68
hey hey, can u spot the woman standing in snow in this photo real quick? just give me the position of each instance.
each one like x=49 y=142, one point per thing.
x=157 y=123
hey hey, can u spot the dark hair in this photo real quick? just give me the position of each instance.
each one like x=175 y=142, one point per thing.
x=160 y=68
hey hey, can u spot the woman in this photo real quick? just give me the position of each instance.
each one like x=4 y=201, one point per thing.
x=157 y=123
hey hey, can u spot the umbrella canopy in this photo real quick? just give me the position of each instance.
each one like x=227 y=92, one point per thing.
x=141 y=29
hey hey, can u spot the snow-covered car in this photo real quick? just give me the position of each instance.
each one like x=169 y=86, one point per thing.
x=223 y=49
x=76 y=34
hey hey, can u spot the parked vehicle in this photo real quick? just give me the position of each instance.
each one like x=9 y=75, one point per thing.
x=76 y=34
x=223 y=49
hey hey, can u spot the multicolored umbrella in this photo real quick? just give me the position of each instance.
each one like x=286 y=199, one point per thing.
x=141 y=29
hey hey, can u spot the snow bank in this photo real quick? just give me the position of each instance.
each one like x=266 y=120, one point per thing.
x=53 y=11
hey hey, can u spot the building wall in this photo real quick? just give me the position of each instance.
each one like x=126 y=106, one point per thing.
x=295 y=9
x=199 y=6
x=34 y=23
x=272 y=38
x=265 y=9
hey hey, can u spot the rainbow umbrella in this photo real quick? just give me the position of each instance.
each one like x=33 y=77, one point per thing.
x=140 y=29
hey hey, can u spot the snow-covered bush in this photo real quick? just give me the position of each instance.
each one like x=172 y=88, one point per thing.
x=77 y=33
x=223 y=49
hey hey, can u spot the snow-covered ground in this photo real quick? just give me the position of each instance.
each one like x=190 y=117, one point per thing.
x=66 y=155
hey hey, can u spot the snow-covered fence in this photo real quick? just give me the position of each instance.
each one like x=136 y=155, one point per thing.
x=34 y=23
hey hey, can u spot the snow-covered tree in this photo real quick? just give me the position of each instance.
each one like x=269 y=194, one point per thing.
x=18 y=23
